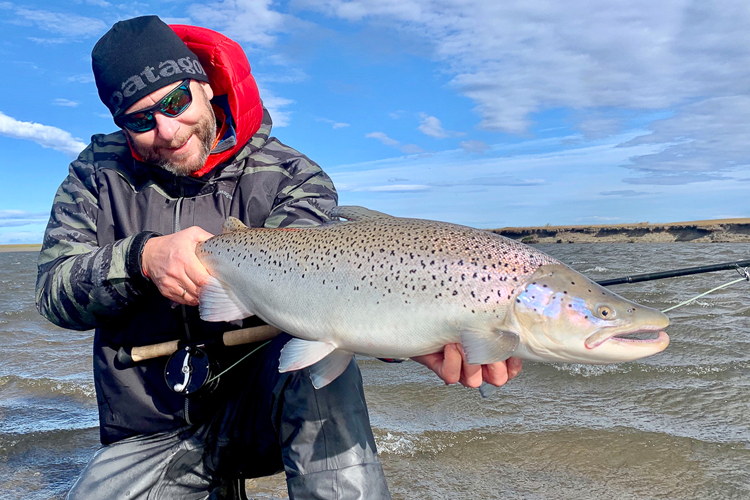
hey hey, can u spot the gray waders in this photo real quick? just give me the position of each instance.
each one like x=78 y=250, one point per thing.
x=265 y=422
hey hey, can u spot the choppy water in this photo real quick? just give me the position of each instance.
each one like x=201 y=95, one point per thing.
x=673 y=426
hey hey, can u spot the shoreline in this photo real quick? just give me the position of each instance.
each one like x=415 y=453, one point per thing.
x=33 y=247
x=701 y=231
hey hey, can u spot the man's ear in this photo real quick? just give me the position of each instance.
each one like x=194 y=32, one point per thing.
x=208 y=90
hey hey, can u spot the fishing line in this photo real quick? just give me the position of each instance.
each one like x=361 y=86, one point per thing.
x=744 y=272
x=243 y=358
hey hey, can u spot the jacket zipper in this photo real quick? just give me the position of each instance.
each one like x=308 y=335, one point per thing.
x=176 y=228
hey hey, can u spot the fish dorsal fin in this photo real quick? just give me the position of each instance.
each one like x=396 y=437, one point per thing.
x=355 y=214
x=232 y=224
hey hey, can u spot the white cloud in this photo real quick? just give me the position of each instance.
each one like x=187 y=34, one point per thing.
x=67 y=25
x=707 y=140
x=409 y=149
x=21 y=237
x=66 y=102
x=84 y=78
x=248 y=21
x=431 y=126
x=275 y=104
x=474 y=146
x=516 y=58
x=334 y=124
x=48 y=41
x=14 y=218
x=44 y=135
x=393 y=188
x=382 y=137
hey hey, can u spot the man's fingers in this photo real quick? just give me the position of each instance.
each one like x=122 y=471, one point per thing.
x=472 y=375
x=514 y=367
x=453 y=360
x=495 y=373
x=196 y=274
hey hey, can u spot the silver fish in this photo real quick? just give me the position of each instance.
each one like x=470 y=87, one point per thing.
x=394 y=287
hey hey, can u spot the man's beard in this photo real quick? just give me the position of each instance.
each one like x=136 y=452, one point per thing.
x=205 y=133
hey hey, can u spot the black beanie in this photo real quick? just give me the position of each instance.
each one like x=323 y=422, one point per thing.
x=139 y=56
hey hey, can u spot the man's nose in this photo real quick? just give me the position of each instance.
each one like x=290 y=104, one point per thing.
x=166 y=127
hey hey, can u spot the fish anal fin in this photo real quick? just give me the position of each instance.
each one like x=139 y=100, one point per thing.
x=327 y=369
x=299 y=353
x=483 y=347
x=232 y=224
x=217 y=302
x=354 y=213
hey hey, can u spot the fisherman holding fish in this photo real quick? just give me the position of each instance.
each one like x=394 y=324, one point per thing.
x=119 y=256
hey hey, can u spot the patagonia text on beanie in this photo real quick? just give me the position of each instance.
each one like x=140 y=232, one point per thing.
x=139 y=56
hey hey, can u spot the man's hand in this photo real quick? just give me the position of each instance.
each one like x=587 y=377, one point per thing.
x=170 y=262
x=451 y=366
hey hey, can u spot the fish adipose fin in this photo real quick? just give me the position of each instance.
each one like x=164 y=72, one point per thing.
x=298 y=354
x=482 y=347
x=218 y=303
x=327 y=369
x=354 y=214
x=232 y=224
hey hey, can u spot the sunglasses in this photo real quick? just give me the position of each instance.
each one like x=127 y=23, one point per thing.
x=171 y=105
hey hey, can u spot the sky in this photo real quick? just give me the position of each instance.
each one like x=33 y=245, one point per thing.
x=486 y=113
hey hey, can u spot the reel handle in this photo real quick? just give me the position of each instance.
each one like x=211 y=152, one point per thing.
x=129 y=356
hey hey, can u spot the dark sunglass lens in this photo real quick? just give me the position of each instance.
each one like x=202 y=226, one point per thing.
x=176 y=102
x=139 y=122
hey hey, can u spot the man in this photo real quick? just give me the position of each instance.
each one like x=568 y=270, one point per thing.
x=119 y=256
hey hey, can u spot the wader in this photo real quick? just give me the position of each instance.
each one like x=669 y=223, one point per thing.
x=265 y=422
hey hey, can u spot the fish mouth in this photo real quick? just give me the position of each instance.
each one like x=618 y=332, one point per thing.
x=644 y=336
x=641 y=337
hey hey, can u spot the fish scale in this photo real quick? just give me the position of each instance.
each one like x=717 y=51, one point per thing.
x=376 y=285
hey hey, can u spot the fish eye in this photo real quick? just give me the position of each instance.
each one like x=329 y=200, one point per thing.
x=605 y=312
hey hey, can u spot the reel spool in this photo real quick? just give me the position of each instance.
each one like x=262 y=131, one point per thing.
x=190 y=370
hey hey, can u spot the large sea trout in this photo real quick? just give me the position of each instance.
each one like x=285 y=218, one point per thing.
x=394 y=287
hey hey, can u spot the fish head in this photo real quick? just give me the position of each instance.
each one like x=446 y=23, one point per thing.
x=562 y=316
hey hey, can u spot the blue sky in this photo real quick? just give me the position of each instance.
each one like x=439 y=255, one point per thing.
x=485 y=113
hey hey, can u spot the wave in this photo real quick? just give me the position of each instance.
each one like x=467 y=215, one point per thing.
x=587 y=371
x=48 y=386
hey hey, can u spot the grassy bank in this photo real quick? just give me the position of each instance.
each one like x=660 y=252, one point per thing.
x=20 y=248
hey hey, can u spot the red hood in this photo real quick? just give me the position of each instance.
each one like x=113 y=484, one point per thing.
x=228 y=71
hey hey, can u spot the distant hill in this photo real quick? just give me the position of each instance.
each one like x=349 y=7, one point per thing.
x=699 y=231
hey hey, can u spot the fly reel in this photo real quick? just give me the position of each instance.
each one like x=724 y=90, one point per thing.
x=190 y=370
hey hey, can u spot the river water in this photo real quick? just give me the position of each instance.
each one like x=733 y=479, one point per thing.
x=673 y=426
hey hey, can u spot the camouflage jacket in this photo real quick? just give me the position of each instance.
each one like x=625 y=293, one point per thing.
x=89 y=267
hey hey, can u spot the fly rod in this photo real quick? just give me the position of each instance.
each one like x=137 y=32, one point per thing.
x=675 y=272
x=130 y=355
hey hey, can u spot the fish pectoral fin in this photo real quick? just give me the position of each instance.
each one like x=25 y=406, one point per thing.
x=483 y=347
x=354 y=214
x=217 y=302
x=327 y=369
x=232 y=224
x=298 y=354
